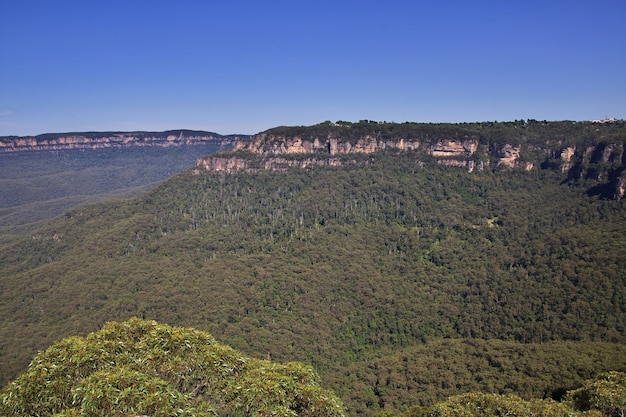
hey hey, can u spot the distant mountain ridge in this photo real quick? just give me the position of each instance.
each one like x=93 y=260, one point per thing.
x=99 y=140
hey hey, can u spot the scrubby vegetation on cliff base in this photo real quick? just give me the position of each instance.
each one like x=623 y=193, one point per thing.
x=143 y=368
x=604 y=396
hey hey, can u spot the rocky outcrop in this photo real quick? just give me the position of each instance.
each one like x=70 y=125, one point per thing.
x=223 y=164
x=470 y=164
x=282 y=164
x=268 y=144
x=567 y=156
x=620 y=187
x=508 y=155
x=279 y=152
x=95 y=140
x=231 y=164
x=263 y=144
x=596 y=162
x=450 y=152
x=449 y=147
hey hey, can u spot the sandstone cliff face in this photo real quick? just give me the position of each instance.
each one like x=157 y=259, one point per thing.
x=223 y=164
x=604 y=162
x=567 y=156
x=55 y=142
x=620 y=187
x=448 y=147
x=599 y=162
x=451 y=152
x=267 y=144
x=469 y=164
x=231 y=164
x=508 y=155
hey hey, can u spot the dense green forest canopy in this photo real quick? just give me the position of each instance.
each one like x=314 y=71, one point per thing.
x=140 y=367
x=364 y=271
x=529 y=132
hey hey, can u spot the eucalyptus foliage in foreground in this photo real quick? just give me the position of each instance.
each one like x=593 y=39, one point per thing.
x=140 y=367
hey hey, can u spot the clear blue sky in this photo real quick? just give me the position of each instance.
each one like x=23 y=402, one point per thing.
x=245 y=66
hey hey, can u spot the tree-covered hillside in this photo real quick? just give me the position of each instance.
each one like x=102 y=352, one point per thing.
x=343 y=268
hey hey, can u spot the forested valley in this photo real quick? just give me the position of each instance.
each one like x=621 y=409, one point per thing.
x=401 y=283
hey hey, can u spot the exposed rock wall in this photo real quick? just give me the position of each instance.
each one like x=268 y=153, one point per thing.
x=450 y=147
x=567 y=156
x=604 y=161
x=267 y=144
x=451 y=152
x=508 y=155
x=620 y=187
x=470 y=164
x=223 y=164
x=231 y=164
